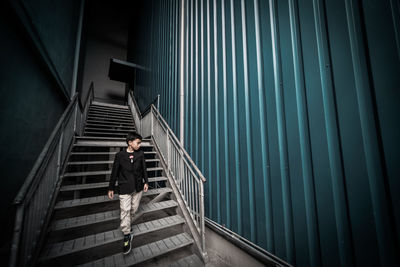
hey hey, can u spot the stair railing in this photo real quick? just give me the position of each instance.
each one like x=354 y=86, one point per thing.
x=35 y=200
x=188 y=179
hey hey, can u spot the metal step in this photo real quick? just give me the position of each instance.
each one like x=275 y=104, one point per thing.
x=106 y=118
x=111 y=143
x=110 y=119
x=90 y=173
x=145 y=142
x=98 y=125
x=189 y=261
x=109 y=114
x=80 y=138
x=75 y=187
x=75 y=205
x=144 y=253
x=92 y=153
x=70 y=163
x=92 y=115
x=94 y=112
x=106 y=153
x=104 y=133
x=93 y=222
x=114 y=129
x=101 y=144
x=105 y=172
x=153 y=169
x=92 y=121
x=102 y=161
x=102 y=243
x=110 y=111
x=108 y=105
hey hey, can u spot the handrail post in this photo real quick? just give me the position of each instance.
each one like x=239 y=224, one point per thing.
x=75 y=116
x=60 y=142
x=203 y=242
x=151 y=121
x=168 y=152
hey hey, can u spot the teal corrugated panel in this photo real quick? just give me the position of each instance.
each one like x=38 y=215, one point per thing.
x=290 y=111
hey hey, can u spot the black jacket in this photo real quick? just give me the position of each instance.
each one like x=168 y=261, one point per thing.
x=130 y=173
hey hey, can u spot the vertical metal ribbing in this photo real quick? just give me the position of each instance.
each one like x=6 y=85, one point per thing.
x=248 y=126
x=287 y=212
x=209 y=110
x=157 y=60
x=191 y=79
x=370 y=140
x=170 y=63
x=218 y=182
x=182 y=91
x=235 y=123
x=336 y=168
x=309 y=193
x=169 y=88
x=264 y=134
x=149 y=56
x=163 y=57
x=177 y=76
x=226 y=141
x=196 y=100
x=186 y=109
x=160 y=53
x=176 y=94
x=202 y=163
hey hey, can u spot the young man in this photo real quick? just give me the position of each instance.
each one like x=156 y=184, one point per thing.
x=129 y=169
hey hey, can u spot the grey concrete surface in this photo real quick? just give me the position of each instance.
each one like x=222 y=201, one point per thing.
x=222 y=253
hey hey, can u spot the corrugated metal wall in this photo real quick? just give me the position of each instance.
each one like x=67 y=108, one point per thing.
x=291 y=112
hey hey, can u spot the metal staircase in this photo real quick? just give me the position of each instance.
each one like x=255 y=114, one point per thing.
x=84 y=228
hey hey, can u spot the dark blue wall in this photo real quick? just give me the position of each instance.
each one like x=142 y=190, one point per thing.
x=291 y=112
x=32 y=99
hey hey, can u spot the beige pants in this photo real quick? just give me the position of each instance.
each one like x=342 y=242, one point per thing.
x=129 y=204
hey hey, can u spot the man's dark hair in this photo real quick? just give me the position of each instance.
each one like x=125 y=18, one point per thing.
x=132 y=136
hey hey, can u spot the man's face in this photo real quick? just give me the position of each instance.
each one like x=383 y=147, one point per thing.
x=135 y=144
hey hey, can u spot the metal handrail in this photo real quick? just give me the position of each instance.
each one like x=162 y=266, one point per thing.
x=35 y=200
x=176 y=140
x=187 y=178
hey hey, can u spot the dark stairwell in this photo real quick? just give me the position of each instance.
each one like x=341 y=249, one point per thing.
x=271 y=131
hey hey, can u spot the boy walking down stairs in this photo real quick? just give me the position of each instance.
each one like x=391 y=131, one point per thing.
x=89 y=220
x=129 y=171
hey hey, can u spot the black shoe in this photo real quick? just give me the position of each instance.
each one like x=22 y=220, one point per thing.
x=127 y=243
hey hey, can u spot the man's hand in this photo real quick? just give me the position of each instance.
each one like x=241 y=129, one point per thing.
x=110 y=194
x=146 y=187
